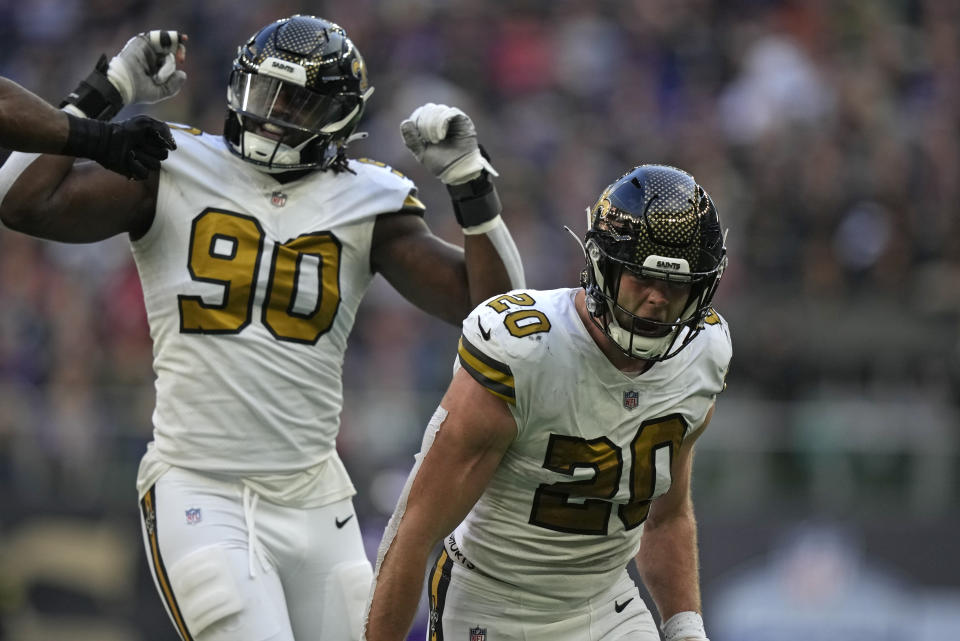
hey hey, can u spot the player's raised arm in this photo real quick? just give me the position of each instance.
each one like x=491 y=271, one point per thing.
x=50 y=197
x=438 y=277
x=473 y=430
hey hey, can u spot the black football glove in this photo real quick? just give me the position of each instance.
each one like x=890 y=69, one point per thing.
x=132 y=148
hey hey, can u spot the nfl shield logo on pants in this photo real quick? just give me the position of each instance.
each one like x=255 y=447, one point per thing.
x=478 y=634
x=631 y=400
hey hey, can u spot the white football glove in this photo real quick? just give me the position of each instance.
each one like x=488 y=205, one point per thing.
x=444 y=140
x=145 y=70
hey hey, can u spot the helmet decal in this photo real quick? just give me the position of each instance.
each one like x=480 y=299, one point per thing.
x=359 y=70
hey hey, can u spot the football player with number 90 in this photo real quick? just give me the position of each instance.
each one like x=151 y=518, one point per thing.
x=255 y=249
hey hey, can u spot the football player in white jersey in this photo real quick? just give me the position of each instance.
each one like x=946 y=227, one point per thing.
x=563 y=446
x=254 y=249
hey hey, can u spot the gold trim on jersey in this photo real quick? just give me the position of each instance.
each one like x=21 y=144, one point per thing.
x=497 y=377
x=147 y=506
x=193 y=131
x=381 y=165
x=411 y=202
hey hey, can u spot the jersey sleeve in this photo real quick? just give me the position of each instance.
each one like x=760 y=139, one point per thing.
x=713 y=362
x=483 y=354
x=392 y=184
x=720 y=352
x=503 y=345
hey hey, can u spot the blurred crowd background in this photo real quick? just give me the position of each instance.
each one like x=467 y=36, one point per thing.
x=826 y=132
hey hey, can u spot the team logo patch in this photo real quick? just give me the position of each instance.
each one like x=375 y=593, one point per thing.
x=631 y=399
x=194 y=516
x=478 y=634
x=278 y=199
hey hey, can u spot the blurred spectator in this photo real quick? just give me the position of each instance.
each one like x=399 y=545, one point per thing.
x=815 y=585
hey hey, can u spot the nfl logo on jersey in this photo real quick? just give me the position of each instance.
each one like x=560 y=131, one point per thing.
x=194 y=516
x=631 y=400
x=478 y=634
x=278 y=199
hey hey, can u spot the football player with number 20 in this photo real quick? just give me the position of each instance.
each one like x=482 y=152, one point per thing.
x=563 y=447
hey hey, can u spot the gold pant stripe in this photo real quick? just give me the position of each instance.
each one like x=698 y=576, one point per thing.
x=149 y=515
x=439 y=581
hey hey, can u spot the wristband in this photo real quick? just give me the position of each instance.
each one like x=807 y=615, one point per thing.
x=475 y=202
x=95 y=95
x=684 y=625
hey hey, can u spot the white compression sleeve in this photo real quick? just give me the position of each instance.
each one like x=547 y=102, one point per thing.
x=391 y=530
x=19 y=161
x=16 y=164
x=496 y=230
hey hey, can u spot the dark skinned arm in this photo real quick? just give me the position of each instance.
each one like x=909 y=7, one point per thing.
x=436 y=276
x=78 y=202
x=28 y=123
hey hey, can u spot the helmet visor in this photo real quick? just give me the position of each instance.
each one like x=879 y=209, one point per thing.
x=282 y=103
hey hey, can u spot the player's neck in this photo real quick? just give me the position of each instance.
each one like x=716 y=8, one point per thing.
x=613 y=353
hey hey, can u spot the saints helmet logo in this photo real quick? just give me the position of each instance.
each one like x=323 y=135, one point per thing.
x=359 y=70
x=602 y=208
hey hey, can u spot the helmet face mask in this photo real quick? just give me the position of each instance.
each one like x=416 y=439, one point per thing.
x=655 y=222
x=295 y=96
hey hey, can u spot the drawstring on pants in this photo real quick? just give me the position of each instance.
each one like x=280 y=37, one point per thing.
x=254 y=549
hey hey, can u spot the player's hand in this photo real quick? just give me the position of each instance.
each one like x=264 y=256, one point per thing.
x=145 y=70
x=136 y=146
x=444 y=140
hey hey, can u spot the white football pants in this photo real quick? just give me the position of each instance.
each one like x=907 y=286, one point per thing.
x=466 y=605
x=231 y=567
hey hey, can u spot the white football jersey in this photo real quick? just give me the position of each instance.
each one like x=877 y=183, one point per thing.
x=564 y=512
x=251 y=288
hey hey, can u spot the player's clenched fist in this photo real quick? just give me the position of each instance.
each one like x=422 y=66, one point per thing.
x=145 y=70
x=444 y=140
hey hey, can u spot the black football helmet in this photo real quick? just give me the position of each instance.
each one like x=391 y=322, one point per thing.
x=296 y=94
x=656 y=222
